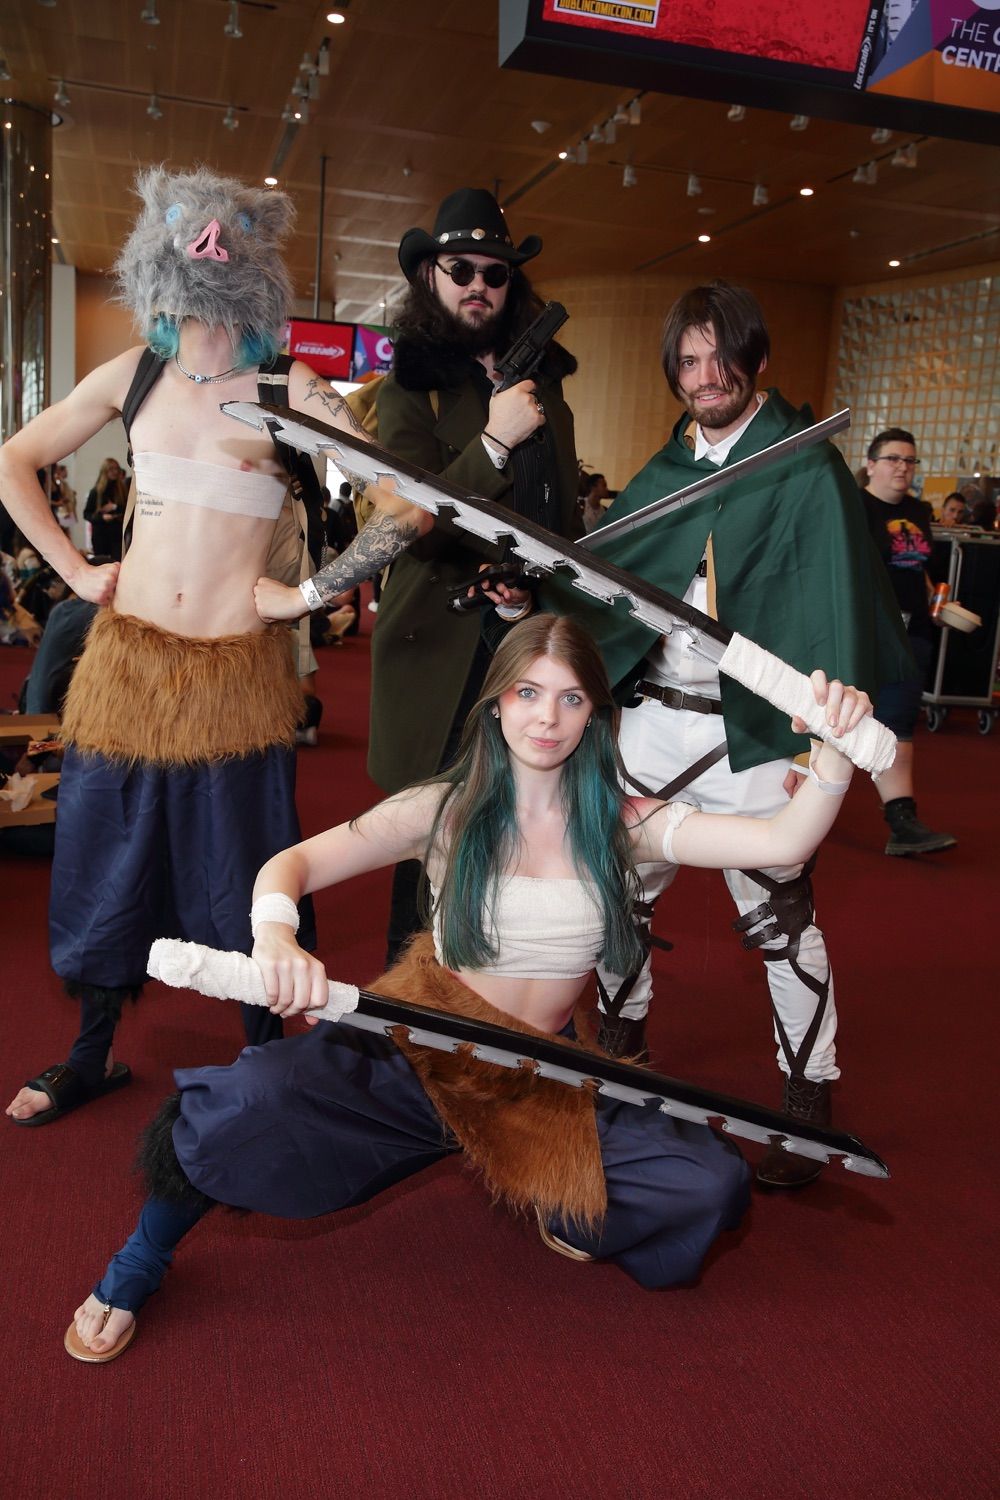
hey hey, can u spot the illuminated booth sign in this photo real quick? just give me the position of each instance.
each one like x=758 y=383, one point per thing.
x=920 y=65
x=340 y=351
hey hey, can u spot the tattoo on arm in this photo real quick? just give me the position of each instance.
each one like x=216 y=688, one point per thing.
x=335 y=405
x=358 y=482
x=381 y=540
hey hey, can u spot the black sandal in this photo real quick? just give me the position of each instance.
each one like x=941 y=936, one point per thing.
x=67 y=1090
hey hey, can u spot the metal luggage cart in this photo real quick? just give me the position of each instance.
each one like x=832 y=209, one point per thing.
x=966 y=666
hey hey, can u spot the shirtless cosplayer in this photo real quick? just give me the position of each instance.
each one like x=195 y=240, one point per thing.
x=179 y=772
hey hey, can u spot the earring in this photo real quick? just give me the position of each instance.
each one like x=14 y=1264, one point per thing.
x=495 y=711
x=589 y=722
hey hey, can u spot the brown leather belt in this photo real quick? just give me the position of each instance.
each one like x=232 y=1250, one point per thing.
x=674 y=698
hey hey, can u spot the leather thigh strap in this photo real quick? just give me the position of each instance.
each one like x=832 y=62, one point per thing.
x=642 y=911
x=788 y=913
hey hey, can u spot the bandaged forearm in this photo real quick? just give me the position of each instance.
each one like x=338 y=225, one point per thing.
x=379 y=543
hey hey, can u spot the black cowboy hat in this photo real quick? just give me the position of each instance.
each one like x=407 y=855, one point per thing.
x=469 y=219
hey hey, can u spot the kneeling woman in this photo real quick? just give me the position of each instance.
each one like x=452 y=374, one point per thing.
x=530 y=847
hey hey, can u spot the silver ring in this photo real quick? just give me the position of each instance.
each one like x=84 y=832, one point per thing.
x=540 y=408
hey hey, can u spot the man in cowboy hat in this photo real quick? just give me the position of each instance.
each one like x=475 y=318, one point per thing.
x=468 y=301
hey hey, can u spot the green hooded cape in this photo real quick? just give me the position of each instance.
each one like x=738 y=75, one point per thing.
x=795 y=571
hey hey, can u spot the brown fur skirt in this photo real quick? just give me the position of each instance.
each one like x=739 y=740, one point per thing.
x=140 y=693
x=533 y=1140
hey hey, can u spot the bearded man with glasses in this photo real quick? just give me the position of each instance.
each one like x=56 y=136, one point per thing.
x=468 y=301
x=901 y=529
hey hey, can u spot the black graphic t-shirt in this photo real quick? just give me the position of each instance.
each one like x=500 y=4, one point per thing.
x=902 y=535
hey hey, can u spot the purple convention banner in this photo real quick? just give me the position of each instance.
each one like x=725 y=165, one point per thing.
x=372 y=352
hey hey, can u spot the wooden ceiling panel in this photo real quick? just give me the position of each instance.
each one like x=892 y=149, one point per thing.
x=414 y=105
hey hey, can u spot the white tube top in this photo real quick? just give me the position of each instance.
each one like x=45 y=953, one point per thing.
x=548 y=929
x=190 y=481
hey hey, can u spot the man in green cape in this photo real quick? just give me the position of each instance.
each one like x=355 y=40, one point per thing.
x=784 y=557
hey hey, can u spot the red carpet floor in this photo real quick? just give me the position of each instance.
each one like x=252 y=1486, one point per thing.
x=429 y=1346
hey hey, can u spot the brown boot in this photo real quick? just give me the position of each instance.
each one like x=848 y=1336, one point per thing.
x=619 y=1036
x=802 y=1100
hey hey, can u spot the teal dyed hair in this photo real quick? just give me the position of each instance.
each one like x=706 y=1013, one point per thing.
x=253 y=349
x=478 y=814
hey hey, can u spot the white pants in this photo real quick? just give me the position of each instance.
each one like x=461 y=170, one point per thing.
x=659 y=743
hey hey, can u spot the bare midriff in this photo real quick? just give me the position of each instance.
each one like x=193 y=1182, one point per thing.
x=192 y=570
x=546 y=1004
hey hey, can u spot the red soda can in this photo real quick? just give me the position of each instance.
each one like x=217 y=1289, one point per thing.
x=939 y=597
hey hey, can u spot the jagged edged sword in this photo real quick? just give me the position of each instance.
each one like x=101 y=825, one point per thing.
x=870 y=745
x=234 y=976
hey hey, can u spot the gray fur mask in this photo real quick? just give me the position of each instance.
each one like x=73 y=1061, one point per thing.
x=207 y=247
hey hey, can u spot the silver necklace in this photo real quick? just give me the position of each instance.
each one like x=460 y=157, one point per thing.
x=205 y=379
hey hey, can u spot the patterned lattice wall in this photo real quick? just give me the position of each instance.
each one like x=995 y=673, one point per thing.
x=928 y=359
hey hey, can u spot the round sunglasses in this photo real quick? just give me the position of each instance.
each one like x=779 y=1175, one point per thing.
x=464 y=273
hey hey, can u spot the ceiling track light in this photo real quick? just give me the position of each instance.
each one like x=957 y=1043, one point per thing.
x=232 y=26
x=230 y=119
x=736 y=113
x=635 y=113
x=620 y=115
x=881 y=136
x=866 y=174
x=287 y=114
x=694 y=185
x=60 y=96
x=610 y=133
x=541 y=126
x=629 y=176
x=581 y=155
x=799 y=122
x=761 y=197
x=148 y=14
x=905 y=156
x=153 y=109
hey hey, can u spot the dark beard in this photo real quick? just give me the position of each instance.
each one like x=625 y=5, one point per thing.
x=481 y=337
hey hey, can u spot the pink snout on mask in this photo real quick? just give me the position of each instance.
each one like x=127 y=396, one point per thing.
x=204 y=246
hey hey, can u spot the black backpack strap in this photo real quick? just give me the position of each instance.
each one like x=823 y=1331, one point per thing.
x=147 y=373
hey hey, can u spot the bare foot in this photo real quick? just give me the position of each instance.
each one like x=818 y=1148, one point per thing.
x=92 y=1330
x=26 y=1103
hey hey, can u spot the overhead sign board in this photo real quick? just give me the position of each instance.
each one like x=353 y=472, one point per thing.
x=928 y=66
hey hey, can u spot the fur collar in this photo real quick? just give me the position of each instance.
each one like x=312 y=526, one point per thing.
x=421 y=364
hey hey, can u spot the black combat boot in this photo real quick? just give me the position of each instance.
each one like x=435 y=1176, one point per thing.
x=907 y=835
x=621 y=1037
x=802 y=1100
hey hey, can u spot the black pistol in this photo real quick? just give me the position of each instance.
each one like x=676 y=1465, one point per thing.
x=519 y=363
x=523 y=357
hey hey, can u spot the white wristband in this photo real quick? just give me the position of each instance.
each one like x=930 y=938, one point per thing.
x=274 y=907
x=831 y=788
x=311 y=594
x=512 y=612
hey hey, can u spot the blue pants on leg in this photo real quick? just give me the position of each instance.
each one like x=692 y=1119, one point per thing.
x=135 y=1273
